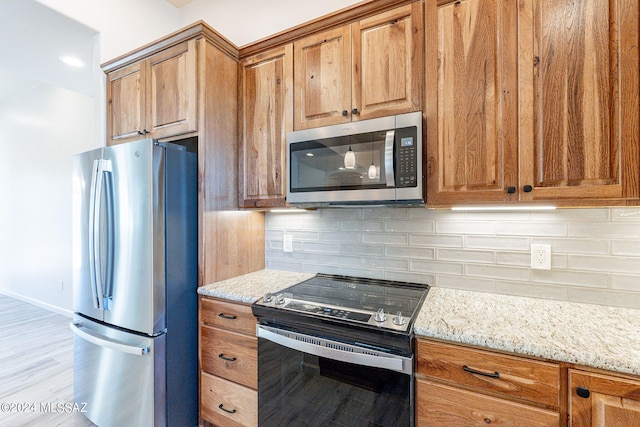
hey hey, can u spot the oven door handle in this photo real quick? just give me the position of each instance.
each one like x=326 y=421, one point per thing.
x=305 y=344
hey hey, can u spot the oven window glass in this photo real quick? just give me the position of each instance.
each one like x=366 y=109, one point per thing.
x=299 y=389
x=340 y=163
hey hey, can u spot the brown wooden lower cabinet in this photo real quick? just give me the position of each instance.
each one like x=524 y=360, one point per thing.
x=440 y=405
x=462 y=386
x=227 y=404
x=228 y=364
x=601 y=400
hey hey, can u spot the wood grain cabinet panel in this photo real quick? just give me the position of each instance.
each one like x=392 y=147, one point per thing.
x=126 y=95
x=225 y=403
x=154 y=98
x=532 y=100
x=438 y=405
x=173 y=91
x=230 y=355
x=512 y=376
x=228 y=363
x=463 y=386
x=599 y=400
x=471 y=100
x=228 y=315
x=579 y=99
x=266 y=115
x=371 y=68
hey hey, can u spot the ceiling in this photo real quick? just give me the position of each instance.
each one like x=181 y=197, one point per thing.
x=179 y=3
x=34 y=37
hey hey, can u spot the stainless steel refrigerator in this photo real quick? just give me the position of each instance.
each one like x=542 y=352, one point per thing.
x=135 y=280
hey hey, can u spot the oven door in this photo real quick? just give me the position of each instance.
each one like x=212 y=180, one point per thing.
x=304 y=380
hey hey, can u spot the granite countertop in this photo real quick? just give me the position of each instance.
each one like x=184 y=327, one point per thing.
x=584 y=334
x=249 y=288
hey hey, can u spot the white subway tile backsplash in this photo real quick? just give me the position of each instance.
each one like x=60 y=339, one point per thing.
x=595 y=252
x=531 y=228
x=498 y=243
x=465 y=255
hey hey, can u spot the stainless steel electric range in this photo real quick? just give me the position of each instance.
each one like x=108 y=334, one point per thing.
x=336 y=350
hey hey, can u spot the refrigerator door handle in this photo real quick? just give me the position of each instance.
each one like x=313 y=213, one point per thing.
x=106 y=342
x=101 y=168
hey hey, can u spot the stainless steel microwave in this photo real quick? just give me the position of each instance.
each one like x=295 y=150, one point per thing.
x=368 y=162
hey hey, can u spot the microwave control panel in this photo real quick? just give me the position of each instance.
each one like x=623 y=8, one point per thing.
x=406 y=158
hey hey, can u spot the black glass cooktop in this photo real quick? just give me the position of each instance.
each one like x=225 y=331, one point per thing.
x=380 y=303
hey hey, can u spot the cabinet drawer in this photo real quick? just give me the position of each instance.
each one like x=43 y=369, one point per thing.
x=440 y=405
x=228 y=315
x=509 y=375
x=230 y=355
x=224 y=403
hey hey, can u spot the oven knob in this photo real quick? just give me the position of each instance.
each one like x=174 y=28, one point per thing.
x=398 y=319
x=280 y=299
x=380 y=316
x=267 y=297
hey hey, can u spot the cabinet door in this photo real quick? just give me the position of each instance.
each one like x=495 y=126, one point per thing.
x=126 y=103
x=600 y=400
x=322 y=78
x=266 y=115
x=579 y=99
x=471 y=100
x=440 y=405
x=387 y=63
x=172 y=91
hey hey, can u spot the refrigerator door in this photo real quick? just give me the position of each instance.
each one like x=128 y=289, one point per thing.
x=134 y=297
x=89 y=204
x=120 y=376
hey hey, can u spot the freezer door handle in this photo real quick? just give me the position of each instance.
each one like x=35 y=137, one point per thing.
x=102 y=341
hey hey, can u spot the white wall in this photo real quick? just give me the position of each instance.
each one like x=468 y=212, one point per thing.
x=39 y=133
x=246 y=21
x=124 y=25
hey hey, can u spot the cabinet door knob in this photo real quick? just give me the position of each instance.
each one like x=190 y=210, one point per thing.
x=527 y=189
x=511 y=190
x=583 y=392
x=345 y=113
x=354 y=111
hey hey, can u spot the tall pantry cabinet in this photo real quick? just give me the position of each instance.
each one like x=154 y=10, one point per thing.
x=183 y=88
x=532 y=100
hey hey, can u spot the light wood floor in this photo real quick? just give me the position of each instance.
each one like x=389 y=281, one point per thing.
x=36 y=366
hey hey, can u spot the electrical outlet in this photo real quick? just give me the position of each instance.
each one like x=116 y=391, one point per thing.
x=541 y=257
x=287 y=243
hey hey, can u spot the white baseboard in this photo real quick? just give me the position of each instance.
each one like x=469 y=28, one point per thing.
x=55 y=309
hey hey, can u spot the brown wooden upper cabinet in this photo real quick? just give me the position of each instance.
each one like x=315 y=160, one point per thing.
x=371 y=68
x=266 y=115
x=532 y=100
x=154 y=98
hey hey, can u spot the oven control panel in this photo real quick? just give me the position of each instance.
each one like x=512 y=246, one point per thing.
x=394 y=321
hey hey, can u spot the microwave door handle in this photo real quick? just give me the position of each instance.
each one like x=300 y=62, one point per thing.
x=389 y=142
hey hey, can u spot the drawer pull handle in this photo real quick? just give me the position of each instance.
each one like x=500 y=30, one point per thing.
x=229 y=359
x=226 y=316
x=221 y=406
x=485 y=374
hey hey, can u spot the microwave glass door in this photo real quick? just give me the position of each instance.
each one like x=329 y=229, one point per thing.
x=351 y=162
